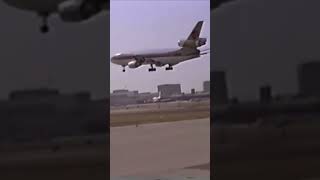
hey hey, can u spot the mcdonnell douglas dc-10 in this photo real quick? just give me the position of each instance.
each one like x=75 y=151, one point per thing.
x=189 y=50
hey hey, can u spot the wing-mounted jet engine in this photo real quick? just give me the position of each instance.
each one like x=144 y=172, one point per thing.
x=79 y=10
x=134 y=64
x=137 y=62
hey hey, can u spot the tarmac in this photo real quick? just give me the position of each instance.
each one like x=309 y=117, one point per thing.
x=73 y=161
x=157 y=106
x=174 y=149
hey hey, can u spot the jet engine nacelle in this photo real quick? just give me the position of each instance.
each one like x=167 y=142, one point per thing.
x=192 y=43
x=78 y=10
x=201 y=42
x=134 y=64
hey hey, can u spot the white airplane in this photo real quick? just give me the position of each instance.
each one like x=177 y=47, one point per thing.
x=68 y=10
x=161 y=99
x=161 y=58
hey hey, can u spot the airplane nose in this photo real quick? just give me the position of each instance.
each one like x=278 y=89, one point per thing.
x=112 y=59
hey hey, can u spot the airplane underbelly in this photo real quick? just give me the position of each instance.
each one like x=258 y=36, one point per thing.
x=35 y=5
x=173 y=59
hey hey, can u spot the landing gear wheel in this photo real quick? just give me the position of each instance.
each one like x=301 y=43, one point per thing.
x=44 y=26
x=152 y=68
x=123 y=70
x=169 y=68
x=44 y=29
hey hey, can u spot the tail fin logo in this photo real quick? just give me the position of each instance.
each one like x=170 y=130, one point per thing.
x=194 y=35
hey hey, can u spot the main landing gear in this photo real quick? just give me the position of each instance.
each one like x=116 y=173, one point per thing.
x=124 y=69
x=152 y=68
x=44 y=28
x=169 y=68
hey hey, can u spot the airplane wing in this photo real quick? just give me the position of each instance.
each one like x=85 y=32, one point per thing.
x=207 y=49
x=142 y=60
x=139 y=60
x=218 y=3
x=152 y=61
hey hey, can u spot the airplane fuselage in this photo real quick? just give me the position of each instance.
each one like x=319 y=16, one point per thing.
x=162 y=58
x=35 y=5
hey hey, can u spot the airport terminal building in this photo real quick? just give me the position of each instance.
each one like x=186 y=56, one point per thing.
x=219 y=87
x=43 y=114
x=168 y=90
x=307 y=72
x=206 y=86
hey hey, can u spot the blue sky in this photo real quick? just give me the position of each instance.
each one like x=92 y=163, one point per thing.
x=143 y=25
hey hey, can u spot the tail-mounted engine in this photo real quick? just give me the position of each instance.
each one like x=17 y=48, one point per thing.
x=192 y=43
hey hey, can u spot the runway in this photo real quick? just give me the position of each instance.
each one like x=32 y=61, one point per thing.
x=163 y=149
x=77 y=161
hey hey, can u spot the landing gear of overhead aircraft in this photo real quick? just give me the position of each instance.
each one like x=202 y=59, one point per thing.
x=124 y=69
x=152 y=68
x=169 y=68
x=44 y=28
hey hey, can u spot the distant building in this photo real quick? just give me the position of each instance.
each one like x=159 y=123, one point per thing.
x=168 y=90
x=121 y=100
x=193 y=91
x=219 y=89
x=265 y=94
x=42 y=114
x=120 y=91
x=125 y=92
x=308 y=74
x=206 y=86
x=145 y=94
x=145 y=97
x=34 y=94
x=124 y=97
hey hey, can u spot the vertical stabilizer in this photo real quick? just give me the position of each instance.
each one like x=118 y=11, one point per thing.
x=194 y=35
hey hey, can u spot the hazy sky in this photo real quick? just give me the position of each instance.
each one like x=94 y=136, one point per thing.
x=143 y=25
x=262 y=41
x=75 y=56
